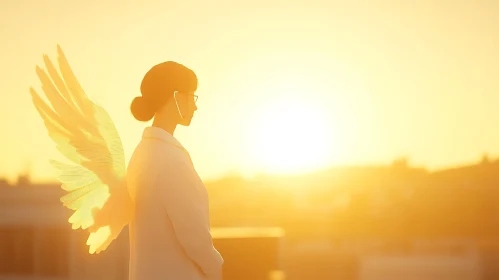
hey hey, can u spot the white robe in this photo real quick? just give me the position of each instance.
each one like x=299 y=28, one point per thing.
x=170 y=235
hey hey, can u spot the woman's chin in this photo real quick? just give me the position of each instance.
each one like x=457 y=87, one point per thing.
x=186 y=122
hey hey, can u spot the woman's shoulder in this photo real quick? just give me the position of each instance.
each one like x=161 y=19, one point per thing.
x=166 y=154
x=150 y=161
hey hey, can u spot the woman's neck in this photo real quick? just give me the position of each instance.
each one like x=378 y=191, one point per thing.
x=167 y=124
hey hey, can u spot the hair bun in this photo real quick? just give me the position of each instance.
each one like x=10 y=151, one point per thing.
x=141 y=109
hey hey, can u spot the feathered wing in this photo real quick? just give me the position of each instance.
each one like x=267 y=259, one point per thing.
x=85 y=134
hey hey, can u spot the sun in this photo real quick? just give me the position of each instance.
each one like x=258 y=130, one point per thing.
x=291 y=136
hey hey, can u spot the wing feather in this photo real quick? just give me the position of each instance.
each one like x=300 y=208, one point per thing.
x=73 y=177
x=111 y=136
x=76 y=91
x=60 y=105
x=59 y=83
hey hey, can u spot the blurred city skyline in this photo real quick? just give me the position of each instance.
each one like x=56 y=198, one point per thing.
x=352 y=223
x=26 y=177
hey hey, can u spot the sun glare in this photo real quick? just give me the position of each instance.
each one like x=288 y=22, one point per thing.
x=291 y=136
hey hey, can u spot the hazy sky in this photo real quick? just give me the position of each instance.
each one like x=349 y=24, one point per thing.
x=386 y=78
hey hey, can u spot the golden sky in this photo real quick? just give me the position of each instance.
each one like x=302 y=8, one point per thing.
x=283 y=85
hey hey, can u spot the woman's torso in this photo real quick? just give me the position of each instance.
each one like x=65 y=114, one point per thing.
x=155 y=252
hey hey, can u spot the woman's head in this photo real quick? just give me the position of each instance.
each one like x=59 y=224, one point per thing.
x=158 y=87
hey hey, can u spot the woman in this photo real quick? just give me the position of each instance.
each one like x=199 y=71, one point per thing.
x=160 y=195
x=170 y=233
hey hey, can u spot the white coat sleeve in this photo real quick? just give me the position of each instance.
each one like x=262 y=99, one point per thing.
x=190 y=217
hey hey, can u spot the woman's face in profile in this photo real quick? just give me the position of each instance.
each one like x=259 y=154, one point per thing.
x=186 y=102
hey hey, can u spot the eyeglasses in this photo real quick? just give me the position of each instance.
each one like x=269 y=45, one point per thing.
x=193 y=95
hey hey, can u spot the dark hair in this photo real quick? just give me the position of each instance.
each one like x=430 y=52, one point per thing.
x=158 y=86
